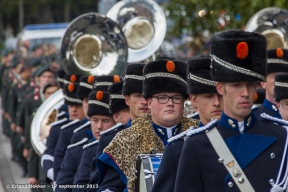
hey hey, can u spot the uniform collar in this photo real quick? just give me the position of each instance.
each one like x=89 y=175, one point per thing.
x=166 y=133
x=129 y=123
x=201 y=124
x=232 y=124
x=272 y=107
x=84 y=121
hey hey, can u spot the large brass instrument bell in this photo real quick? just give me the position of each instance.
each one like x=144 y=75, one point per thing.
x=92 y=44
x=271 y=22
x=144 y=25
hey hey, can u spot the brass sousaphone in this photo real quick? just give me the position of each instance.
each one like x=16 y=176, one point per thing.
x=144 y=25
x=272 y=22
x=92 y=44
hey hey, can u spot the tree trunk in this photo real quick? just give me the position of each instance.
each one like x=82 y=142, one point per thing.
x=67 y=11
x=21 y=15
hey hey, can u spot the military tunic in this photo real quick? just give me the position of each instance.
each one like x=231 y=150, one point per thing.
x=257 y=145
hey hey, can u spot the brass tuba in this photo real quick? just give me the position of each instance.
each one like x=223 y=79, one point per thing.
x=92 y=44
x=40 y=126
x=144 y=25
x=272 y=22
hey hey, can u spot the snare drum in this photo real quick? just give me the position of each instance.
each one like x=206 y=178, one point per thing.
x=147 y=166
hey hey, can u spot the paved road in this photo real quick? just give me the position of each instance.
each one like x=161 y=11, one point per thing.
x=9 y=171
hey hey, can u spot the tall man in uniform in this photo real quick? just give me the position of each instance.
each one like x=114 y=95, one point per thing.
x=203 y=94
x=165 y=89
x=276 y=63
x=238 y=152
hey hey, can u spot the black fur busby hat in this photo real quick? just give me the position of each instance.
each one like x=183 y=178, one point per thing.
x=60 y=77
x=198 y=76
x=277 y=61
x=70 y=94
x=101 y=83
x=133 y=79
x=165 y=76
x=238 y=56
x=85 y=86
x=98 y=103
x=117 y=100
x=72 y=78
x=281 y=87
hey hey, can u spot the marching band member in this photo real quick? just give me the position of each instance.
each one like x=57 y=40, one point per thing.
x=276 y=63
x=121 y=115
x=76 y=112
x=165 y=89
x=203 y=93
x=131 y=90
x=101 y=120
x=239 y=152
x=80 y=137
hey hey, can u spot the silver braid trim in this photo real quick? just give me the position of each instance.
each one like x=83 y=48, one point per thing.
x=237 y=69
x=278 y=61
x=66 y=81
x=280 y=84
x=98 y=103
x=201 y=80
x=86 y=85
x=60 y=79
x=103 y=84
x=117 y=96
x=72 y=99
x=137 y=77
x=165 y=75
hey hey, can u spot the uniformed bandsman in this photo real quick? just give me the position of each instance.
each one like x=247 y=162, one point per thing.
x=98 y=111
x=77 y=114
x=80 y=137
x=239 y=152
x=121 y=114
x=276 y=63
x=203 y=94
x=101 y=83
x=165 y=89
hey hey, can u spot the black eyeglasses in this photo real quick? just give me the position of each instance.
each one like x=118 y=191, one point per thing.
x=176 y=99
x=284 y=105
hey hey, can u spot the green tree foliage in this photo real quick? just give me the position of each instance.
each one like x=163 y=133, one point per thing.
x=234 y=13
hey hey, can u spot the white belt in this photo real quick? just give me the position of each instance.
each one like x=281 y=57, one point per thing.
x=229 y=161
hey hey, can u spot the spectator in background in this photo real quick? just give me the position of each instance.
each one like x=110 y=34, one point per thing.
x=8 y=32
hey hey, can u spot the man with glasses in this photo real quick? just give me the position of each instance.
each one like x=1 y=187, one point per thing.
x=204 y=96
x=276 y=63
x=165 y=89
x=281 y=94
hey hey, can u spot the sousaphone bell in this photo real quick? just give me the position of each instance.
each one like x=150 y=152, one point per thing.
x=272 y=22
x=92 y=44
x=144 y=25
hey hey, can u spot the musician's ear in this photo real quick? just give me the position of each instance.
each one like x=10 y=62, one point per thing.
x=149 y=100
